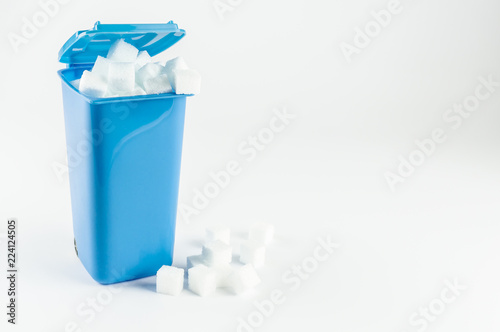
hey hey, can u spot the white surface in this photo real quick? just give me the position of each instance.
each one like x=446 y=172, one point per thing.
x=323 y=174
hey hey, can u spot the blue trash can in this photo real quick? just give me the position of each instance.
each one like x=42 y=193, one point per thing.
x=124 y=157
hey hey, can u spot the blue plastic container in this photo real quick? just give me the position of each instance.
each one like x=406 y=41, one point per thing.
x=124 y=157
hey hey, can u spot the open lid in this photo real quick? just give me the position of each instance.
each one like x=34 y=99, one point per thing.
x=84 y=46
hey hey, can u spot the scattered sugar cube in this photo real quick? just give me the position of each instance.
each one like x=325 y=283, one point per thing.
x=217 y=253
x=222 y=273
x=176 y=63
x=92 y=85
x=243 y=278
x=193 y=261
x=147 y=72
x=262 y=233
x=142 y=59
x=159 y=84
x=185 y=81
x=122 y=51
x=218 y=233
x=75 y=83
x=253 y=253
x=101 y=67
x=202 y=280
x=169 y=280
x=121 y=76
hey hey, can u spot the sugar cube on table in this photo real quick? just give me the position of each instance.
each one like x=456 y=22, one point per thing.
x=222 y=273
x=121 y=76
x=147 y=72
x=176 y=63
x=218 y=233
x=142 y=59
x=243 y=278
x=169 y=280
x=194 y=261
x=101 y=67
x=122 y=51
x=156 y=85
x=262 y=233
x=202 y=280
x=185 y=81
x=92 y=85
x=217 y=253
x=254 y=253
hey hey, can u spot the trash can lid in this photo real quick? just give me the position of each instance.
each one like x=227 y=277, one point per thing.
x=85 y=45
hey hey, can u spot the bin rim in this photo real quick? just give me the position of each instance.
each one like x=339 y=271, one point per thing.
x=104 y=100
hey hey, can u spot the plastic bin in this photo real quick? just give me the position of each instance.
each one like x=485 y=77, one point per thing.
x=124 y=157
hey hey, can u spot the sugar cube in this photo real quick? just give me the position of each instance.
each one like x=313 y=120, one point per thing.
x=169 y=280
x=92 y=85
x=253 y=253
x=262 y=233
x=218 y=233
x=202 y=280
x=243 y=278
x=142 y=59
x=101 y=67
x=147 y=72
x=185 y=81
x=138 y=91
x=121 y=76
x=176 y=63
x=194 y=261
x=122 y=51
x=158 y=84
x=222 y=273
x=217 y=253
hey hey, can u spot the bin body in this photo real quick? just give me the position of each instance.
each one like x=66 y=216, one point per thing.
x=124 y=157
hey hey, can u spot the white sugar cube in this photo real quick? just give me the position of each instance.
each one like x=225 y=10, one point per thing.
x=243 y=278
x=121 y=76
x=176 y=63
x=122 y=51
x=138 y=91
x=222 y=273
x=193 y=261
x=218 y=233
x=185 y=81
x=92 y=85
x=262 y=233
x=142 y=59
x=147 y=72
x=101 y=67
x=75 y=83
x=169 y=280
x=217 y=253
x=202 y=280
x=159 y=84
x=254 y=253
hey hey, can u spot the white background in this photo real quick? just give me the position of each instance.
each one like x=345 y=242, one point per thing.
x=322 y=176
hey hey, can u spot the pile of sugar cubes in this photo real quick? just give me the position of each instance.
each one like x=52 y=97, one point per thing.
x=214 y=267
x=127 y=72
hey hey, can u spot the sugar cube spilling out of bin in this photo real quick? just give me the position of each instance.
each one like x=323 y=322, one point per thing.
x=217 y=253
x=262 y=233
x=126 y=71
x=218 y=233
x=254 y=253
x=185 y=81
x=170 y=280
x=243 y=278
x=202 y=280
